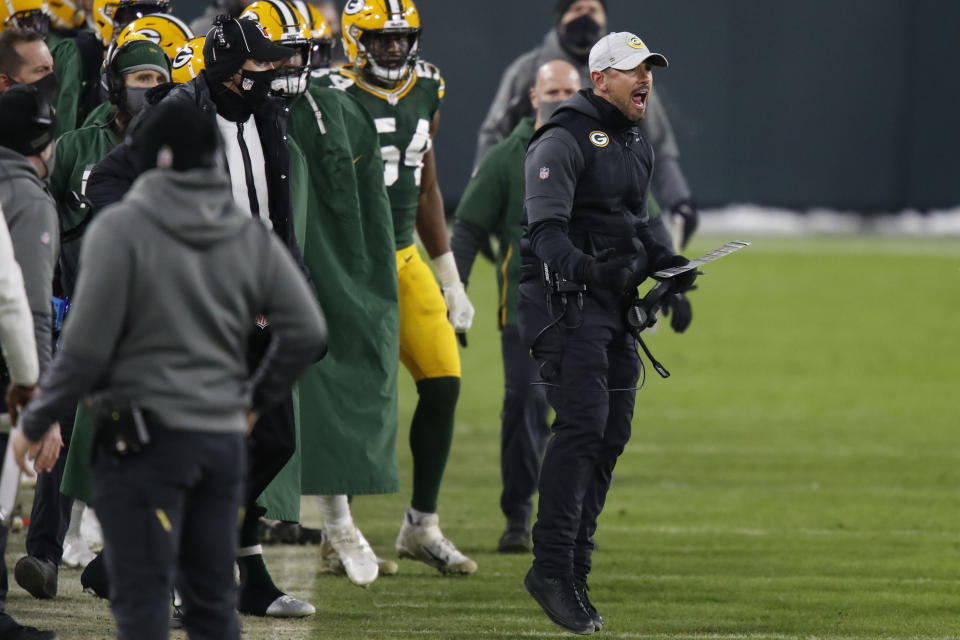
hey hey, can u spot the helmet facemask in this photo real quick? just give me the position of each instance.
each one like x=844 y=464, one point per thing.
x=321 y=53
x=389 y=54
x=33 y=20
x=293 y=77
x=127 y=12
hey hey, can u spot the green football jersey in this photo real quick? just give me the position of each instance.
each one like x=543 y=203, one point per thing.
x=402 y=118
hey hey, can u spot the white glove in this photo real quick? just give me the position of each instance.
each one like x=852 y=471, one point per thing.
x=460 y=311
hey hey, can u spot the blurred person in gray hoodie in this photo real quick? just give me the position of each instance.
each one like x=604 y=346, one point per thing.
x=171 y=279
x=578 y=24
x=26 y=135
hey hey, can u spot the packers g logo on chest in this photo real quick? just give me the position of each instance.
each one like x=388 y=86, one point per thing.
x=599 y=139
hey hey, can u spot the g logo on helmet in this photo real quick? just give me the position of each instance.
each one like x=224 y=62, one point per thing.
x=183 y=57
x=599 y=139
x=151 y=34
x=354 y=6
x=636 y=43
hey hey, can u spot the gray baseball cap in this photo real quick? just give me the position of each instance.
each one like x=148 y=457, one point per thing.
x=623 y=51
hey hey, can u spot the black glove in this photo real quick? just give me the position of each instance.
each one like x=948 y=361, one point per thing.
x=682 y=282
x=682 y=311
x=690 y=218
x=606 y=271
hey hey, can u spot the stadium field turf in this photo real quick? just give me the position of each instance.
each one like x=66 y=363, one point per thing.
x=798 y=476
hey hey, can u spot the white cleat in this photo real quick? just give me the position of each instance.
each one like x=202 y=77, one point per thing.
x=289 y=607
x=90 y=529
x=76 y=553
x=354 y=554
x=330 y=563
x=424 y=541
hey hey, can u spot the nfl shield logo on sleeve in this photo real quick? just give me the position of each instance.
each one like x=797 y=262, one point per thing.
x=544 y=173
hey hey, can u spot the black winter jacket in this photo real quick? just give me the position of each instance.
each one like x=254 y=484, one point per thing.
x=113 y=176
x=588 y=170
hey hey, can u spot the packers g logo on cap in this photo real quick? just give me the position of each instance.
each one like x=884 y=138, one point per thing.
x=599 y=139
x=636 y=43
x=354 y=6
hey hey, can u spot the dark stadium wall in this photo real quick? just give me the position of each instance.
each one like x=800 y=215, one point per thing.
x=849 y=104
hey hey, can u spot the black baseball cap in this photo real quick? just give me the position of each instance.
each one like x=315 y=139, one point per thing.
x=233 y=41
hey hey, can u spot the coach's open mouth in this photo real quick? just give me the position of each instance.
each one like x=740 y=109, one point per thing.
x=639 y=97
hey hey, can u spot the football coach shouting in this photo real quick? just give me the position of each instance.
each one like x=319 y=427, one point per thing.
x=587 y=246
x=170 y=281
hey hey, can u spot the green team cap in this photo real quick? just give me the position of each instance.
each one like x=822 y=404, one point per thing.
x=139 y=55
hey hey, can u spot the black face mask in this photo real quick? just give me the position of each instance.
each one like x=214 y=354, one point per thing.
x=46 y=86
x=255 y=85
x=579 y=35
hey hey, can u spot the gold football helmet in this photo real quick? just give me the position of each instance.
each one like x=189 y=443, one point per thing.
x=64 y=14
x=111 y=16
x=188 y=62
x=168 y=31
x=372 y=29
x=285 y=26
x=25 y=14
x=322 y=48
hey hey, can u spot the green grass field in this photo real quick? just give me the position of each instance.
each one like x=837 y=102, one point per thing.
x=796 y=477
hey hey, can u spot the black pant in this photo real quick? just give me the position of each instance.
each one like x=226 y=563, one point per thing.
x=591 y=351
x=172 y=511
x=273 y=440
x=50 y=515
x=523 y=431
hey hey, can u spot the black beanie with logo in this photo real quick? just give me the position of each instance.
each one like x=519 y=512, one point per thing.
x=174 y=135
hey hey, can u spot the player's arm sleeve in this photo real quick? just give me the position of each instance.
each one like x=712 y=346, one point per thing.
x=112 y=177
x=510 y=103
x=479 y=213
x=68 y=67
x=552 y=167
x=669 y=184
x=298 y=324
x=16 y=324
x=34 y=234
x=91 y=332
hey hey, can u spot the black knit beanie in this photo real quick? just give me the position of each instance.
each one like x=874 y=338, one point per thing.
x=563 y=5
x=175 y=135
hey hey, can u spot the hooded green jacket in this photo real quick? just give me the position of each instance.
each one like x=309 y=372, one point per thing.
x=348 y=401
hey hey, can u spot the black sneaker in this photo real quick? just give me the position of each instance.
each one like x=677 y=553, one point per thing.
x=559 y=599
x=37 y=576
x=515 y=540
x=582 y=589
x=309 y=535
x=94 y=577
x=10 y=630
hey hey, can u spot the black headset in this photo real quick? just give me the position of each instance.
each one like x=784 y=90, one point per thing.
x=220 y=42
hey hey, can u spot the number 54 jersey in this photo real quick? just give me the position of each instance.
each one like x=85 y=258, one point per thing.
x=402 y=117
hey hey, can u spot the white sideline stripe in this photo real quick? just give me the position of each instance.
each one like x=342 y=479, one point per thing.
x=770 y=221
x=627 y=577
x=735 y=531
x=822 y=452
x=649 y=636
